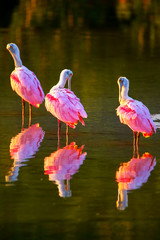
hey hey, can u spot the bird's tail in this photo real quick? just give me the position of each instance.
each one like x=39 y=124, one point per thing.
x=146 y=135
x=153 y=127
x=81 y=119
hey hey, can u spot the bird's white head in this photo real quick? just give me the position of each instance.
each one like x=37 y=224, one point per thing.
x=123 y=84
x=14 y=51
x=123 y=81
x=65 y=76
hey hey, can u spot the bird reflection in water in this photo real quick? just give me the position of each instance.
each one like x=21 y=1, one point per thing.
x=132 y=175
x=22 y=147
x=62 y=164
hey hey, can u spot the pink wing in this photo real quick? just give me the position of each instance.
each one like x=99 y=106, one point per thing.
x=65 y=106
x=137 y=116
x=27 y=86
x=22 y=147
x=135 y=172
x=65 y=162
x=25 y=144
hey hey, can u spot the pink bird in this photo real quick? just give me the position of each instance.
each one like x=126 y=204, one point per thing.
x=24 y=146
x=62 y=164
x=63 y=103
x=24 y=82
x=134 y=113
x=133 y=175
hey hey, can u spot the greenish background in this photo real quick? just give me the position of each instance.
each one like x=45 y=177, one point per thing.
x=99 y=41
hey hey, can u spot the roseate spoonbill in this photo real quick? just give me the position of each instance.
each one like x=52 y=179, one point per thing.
x=64 y=104
x=62 y=164
x=24 y=82
x=22 y=147
x=134 y=113
x=132 y=175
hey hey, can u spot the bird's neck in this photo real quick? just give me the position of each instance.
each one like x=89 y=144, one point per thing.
x=17 y=64
x=17 y=60
x=61 y=83
x=123 y=95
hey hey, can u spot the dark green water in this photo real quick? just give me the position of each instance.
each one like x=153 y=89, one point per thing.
x=30 y=205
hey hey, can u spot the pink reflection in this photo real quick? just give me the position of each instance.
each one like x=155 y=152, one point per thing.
x=62 y=164
x=22 y=147
x=133 y=175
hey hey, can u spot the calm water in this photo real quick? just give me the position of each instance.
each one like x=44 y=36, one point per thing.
x=37 y=204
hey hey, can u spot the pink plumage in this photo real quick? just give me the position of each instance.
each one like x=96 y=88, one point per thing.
x=65 y=106
x=132 y=112
x=137 y=116
x=135 y=172
x=25 y=83
x=132 y=175
x=24 y=146
x=63 y=103
x=64 y=162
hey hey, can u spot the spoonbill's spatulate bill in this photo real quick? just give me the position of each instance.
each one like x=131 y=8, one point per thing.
x=134 y=113
x=63 y=103
x=24 y=82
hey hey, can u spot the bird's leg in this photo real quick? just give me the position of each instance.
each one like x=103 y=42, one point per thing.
x=68 y=185
x=134 y=144
x=30 y=114
x=68 y=189
x=137 y=144
x=59 y=130
x=67 y=133
x=23 y=110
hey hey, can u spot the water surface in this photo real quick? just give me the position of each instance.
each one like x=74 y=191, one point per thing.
x=31 y=206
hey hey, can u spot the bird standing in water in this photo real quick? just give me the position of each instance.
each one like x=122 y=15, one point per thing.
x=134 y=113
x=64 y=104
x=25 y=83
